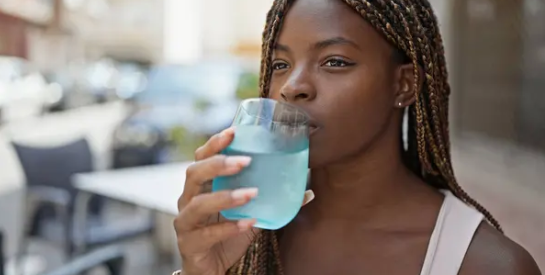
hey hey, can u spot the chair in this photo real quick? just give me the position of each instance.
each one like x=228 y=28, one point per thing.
x=111 y=257
x=51 y=200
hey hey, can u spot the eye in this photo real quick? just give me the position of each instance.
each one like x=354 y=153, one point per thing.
x=279 y=65
x=337 y=62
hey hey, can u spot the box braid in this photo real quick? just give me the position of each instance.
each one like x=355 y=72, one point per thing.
x=411 y=27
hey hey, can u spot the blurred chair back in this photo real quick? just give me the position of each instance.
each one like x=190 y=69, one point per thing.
x=55 y=166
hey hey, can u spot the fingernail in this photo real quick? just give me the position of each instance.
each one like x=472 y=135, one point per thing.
x=309 y=196
x=239 y=161
x=244 y=225
x=244 y=193
x=226 y=132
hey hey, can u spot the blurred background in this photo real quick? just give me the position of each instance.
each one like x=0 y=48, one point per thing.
x=102 y=102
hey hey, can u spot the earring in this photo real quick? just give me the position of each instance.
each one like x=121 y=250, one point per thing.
x=399 y=104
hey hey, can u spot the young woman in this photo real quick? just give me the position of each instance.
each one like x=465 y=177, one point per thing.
x=380 y=207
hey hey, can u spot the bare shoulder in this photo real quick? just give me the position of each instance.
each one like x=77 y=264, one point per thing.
x=491 y=252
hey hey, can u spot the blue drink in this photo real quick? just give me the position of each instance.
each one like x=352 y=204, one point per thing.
x=278 y=169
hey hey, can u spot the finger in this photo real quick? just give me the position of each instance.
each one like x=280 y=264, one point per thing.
x=201 y=207
x=215 y=144
x=309 y=196
x=203 y=239
x=203 y=171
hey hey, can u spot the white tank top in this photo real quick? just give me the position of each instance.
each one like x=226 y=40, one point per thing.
x=451 y=237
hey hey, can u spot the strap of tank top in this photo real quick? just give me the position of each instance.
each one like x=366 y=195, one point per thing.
x=450 y=240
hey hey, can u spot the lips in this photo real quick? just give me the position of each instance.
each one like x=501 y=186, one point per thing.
x=313 y=128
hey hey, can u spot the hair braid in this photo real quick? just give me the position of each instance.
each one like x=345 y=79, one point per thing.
x=431 y=104
x=422 y=126
x=375 y=18
x=431 y=23
x=431 y=33
x=411 y=26
x=274 y=23
x=440 y=118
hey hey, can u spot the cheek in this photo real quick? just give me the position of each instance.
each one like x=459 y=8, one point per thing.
x=354 y=112
x=354 y=120
x=275 y=86
x=361 y=102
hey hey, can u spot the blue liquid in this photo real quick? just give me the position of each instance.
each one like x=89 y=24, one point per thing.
x=280 y=176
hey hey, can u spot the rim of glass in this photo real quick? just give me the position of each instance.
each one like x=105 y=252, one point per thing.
x=285 y=104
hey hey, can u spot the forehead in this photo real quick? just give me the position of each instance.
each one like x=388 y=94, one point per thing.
x=315 y=20
x=323 y=11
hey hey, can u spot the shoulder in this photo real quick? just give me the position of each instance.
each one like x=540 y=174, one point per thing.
x=491 y=252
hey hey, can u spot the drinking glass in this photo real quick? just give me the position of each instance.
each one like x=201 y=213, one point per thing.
x=275 y=136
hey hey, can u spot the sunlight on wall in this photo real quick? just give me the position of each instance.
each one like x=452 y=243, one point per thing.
x=250 y=19
x=197 y=29
x=183 y=31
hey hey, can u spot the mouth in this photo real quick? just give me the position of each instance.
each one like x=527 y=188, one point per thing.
x=313 y=128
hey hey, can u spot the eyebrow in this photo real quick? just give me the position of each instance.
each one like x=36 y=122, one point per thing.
x=335 y=41
x=282 y=48
x=322 y=44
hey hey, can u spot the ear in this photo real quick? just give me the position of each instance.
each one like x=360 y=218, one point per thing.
x=405 y=88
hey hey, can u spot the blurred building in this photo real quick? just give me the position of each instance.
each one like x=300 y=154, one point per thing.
x=54 y=32
x=496 y=49
x=496 y=52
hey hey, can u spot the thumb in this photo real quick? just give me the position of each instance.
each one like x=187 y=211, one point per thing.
x=309 y=196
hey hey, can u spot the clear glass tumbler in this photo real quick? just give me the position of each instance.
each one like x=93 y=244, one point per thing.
x=275 y=136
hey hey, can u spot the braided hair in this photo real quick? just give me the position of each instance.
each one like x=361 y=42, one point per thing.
x=411 y=27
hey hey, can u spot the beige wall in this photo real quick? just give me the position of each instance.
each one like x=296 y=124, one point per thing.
x=227 y=24
x=490 y=42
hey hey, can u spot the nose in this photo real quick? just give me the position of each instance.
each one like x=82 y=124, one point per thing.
x=298 y=87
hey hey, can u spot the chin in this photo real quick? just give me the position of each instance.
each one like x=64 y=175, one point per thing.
x=318 y=159
x=320 y=155
x=323 y=156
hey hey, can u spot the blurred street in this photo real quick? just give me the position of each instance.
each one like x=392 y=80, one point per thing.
x=518 y=207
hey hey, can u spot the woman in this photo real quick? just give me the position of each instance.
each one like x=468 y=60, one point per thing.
x=354 y=66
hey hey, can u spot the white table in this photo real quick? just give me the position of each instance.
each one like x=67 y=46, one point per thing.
x=156 y=188
x=153 y=187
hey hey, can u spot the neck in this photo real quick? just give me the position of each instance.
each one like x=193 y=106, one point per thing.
x=361 y=186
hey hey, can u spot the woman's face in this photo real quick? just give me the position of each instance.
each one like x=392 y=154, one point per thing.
x=332 y=63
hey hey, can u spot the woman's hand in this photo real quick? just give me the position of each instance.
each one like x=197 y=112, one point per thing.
x=208 y=243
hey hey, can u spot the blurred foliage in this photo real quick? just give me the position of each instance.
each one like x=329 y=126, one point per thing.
x=248 y=86
x=184 y=143
x=201 y=105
